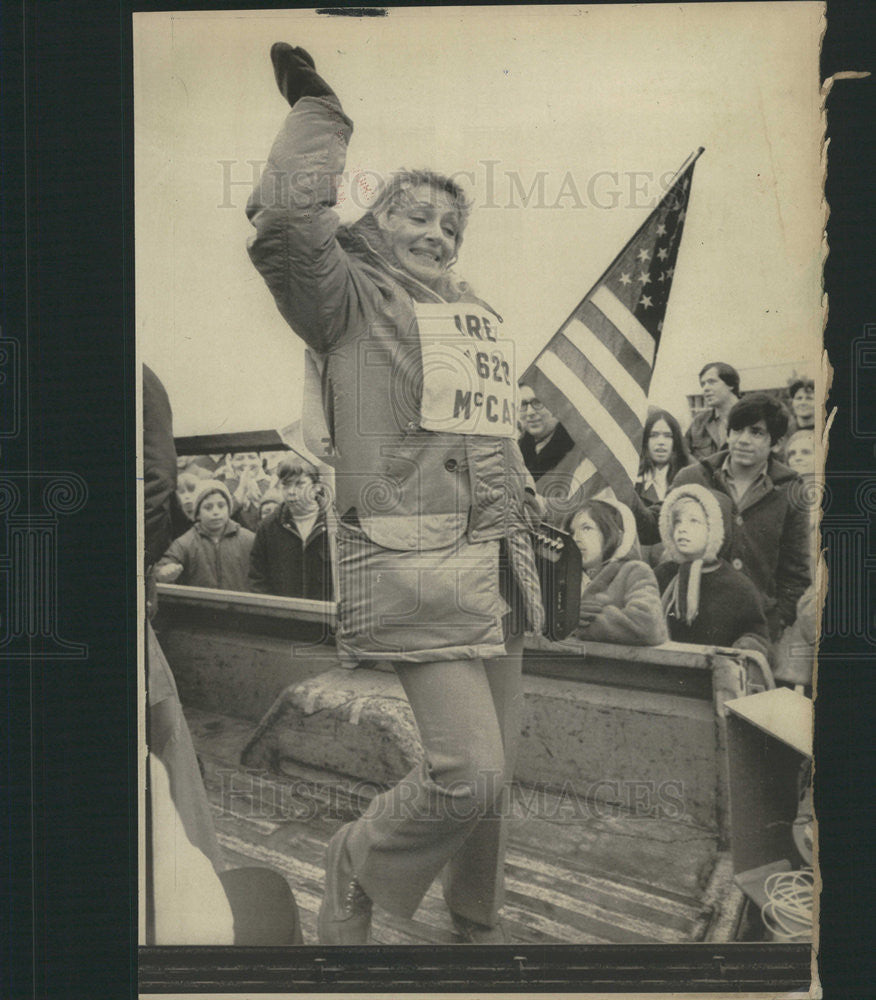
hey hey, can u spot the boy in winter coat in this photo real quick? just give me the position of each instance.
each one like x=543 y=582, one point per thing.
x=767 y=503
x=620 y=601
x=290 y=555
x=706 y=600
x=214 y=552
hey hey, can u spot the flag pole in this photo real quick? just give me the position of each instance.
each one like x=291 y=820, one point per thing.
x=691 y=159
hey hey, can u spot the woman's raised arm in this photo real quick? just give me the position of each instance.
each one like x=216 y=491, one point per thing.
x=294 y=248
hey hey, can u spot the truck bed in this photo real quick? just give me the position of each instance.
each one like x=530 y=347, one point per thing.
x=576 y=872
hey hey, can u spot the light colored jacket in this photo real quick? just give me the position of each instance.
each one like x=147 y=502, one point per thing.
x=341 y=291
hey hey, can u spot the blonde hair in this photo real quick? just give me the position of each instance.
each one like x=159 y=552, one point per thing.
x=394 y=190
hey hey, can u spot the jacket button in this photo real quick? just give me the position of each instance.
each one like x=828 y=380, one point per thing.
x=451 y=465
x=740 y=520
x=737 y=564
x=412 y=425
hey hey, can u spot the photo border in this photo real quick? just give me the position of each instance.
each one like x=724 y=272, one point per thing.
x=67 y=299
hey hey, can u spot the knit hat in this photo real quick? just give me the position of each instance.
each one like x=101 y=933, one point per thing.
x=681 y=598
x=207 y=487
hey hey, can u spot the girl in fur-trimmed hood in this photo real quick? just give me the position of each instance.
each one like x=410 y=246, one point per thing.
x=706 y=600
x=620 y=601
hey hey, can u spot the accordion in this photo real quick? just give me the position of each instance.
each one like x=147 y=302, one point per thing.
x=558 y=561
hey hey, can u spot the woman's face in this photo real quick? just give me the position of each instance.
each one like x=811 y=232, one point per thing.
x=423 y=229
x=589 y=540
x=660 y=444
x=803 y=405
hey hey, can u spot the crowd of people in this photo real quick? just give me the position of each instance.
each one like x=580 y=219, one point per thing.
x=246 y=530
x=713 y=548
x=724 y=518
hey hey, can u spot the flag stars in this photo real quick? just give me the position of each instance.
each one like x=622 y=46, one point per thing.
x=645 y=302
x=643 y=256
x=661 y=230
x=645 y=278
x=670 y=271
x=662 y=276
x=624 y=279
x=682 y=215
x=663 y=253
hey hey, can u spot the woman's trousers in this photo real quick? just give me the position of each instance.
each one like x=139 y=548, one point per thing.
x=451 y=811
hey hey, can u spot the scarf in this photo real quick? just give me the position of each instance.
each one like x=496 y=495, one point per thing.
x=681 y=599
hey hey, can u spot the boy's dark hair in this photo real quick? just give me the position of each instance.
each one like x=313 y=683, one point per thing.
x=292 y=468
x=608 y=519
x=726 y=373
x=759 y=406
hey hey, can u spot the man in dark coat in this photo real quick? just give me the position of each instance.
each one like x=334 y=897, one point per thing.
x=544 y=440
x=770 y=542
x=291 y=554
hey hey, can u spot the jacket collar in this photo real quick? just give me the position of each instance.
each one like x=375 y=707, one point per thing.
x=287 y=521
x=776 y=474
x=231 y=528
x=364 y=239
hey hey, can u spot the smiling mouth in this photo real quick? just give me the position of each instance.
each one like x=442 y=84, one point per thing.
x=425 y=254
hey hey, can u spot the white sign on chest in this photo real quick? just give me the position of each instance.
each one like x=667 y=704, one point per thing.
x=469 y=384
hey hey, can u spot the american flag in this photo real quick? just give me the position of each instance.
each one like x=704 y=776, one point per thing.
x=595 y=372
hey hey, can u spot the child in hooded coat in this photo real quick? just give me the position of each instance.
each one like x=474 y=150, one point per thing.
x=620 y=601
x=705 y=599
x=215 y=551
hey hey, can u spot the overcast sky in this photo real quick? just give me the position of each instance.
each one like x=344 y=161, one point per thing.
x=578 y=111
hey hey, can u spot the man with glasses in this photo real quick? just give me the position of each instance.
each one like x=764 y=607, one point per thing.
x=544 y=440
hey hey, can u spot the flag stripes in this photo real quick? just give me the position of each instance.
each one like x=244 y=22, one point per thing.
x=582 y=476
x=595 y=372
x=583 y=369
x=623 y=320
x=584 y=401
x=630 y=394
x=600 y=326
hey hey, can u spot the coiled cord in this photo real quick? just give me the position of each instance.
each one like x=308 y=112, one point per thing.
x=787 y=914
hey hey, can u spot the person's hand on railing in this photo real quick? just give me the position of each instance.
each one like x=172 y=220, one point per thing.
x=168 y=572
